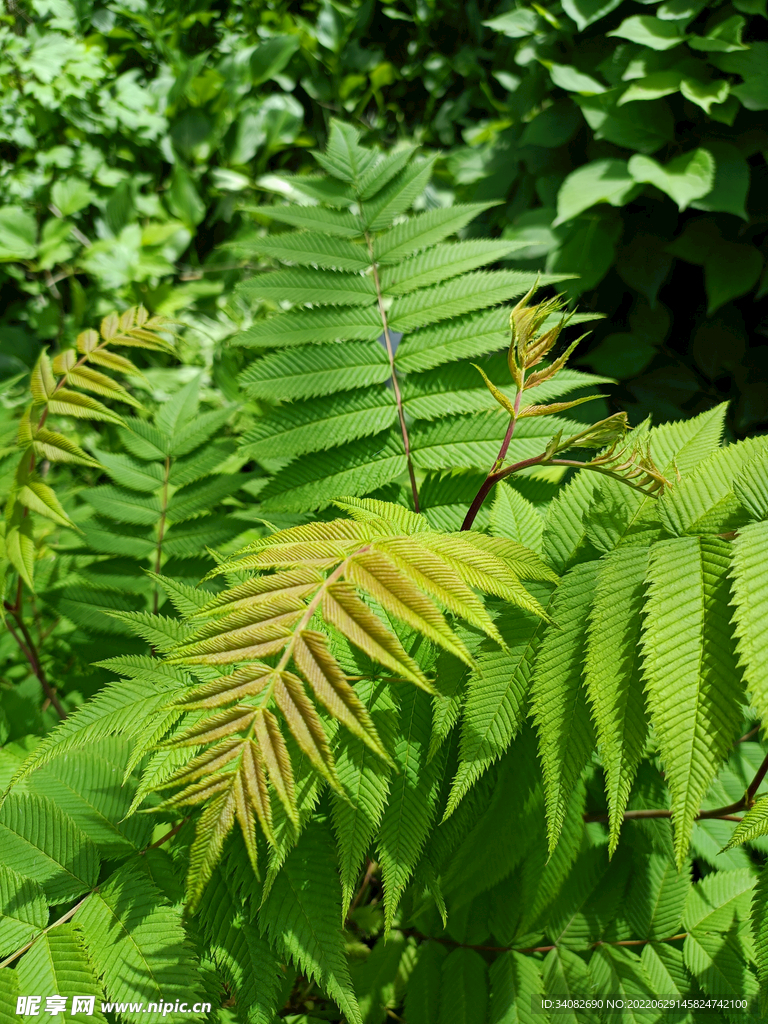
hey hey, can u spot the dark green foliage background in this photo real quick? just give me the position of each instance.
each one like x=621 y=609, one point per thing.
x=130 y=166
x=147 y=130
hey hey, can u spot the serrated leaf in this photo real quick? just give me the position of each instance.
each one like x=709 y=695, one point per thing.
x=318 y=666
x=704 y=502
x=612 y=674
x=56 y=448
x=380 y=173
x=313 y=326
x=71 y=403
x=713 y=902
x=750 y=598
x=412 y=805
x=472 y=442
x=718 y=965
x=422 y=995
x=441 y=263
x=365 y=779
x=558 y=701
x=40 y=841
x=515 y=517
x=213 y=827
x=464 y=997
x=100 y=384
x=753 y=824
x=323 y=423
x=321 y=287
x=301 y=914
x=357 y=468
x=147 y=957
x=315 y=218
x=241 y=953
x=198 y=498
x=694 y=689
x=423 y=230
x=344 y=157
x=515 y=980
x=124 y=506
x=308 y=248
x=86 y=787
x=20 y=550
x=39 y=497
x=23 y=910
x=496 y=703
x=130 y=472
x=57 y=965
x=656 y=898
x=454 y=298
x=397 y=196
x=462 y=338
x=308 y=372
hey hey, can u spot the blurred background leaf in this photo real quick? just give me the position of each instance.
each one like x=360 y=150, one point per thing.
x=629 y=148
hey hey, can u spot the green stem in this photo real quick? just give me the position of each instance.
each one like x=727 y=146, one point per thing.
x=161 y=531
x=62 y=920
x=393 y=371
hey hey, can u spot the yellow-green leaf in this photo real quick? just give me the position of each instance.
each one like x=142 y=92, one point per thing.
x=82 y=407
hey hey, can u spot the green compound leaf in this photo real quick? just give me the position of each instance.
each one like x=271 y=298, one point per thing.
x=302 y=913
x=694 y=688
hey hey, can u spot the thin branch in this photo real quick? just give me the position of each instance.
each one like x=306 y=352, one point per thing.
x=727 y=813
x=721 y=813
x=395 y=384
x=749 y=735
x=493 y=477
x=540 y=460
x=28 y=649
x=62 y=920
x=76 y=232
x=535 y=949
x=491 y=480
x=755 y=784
x=166 y=837
x=369 y=871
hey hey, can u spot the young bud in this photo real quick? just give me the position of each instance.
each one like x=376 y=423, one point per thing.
x=528 y=346
x=553 y=446
x=500 y=397
x=554 y=407
x=637 y=470
x=600 y=435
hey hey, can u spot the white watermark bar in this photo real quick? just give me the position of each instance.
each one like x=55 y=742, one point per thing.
x=36 y=1006
x=643 y=1004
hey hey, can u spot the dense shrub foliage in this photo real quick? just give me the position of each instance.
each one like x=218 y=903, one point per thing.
x=626 y=144
x=399 y=680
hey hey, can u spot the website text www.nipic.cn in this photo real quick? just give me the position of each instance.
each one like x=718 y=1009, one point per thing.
x=34 y=1006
